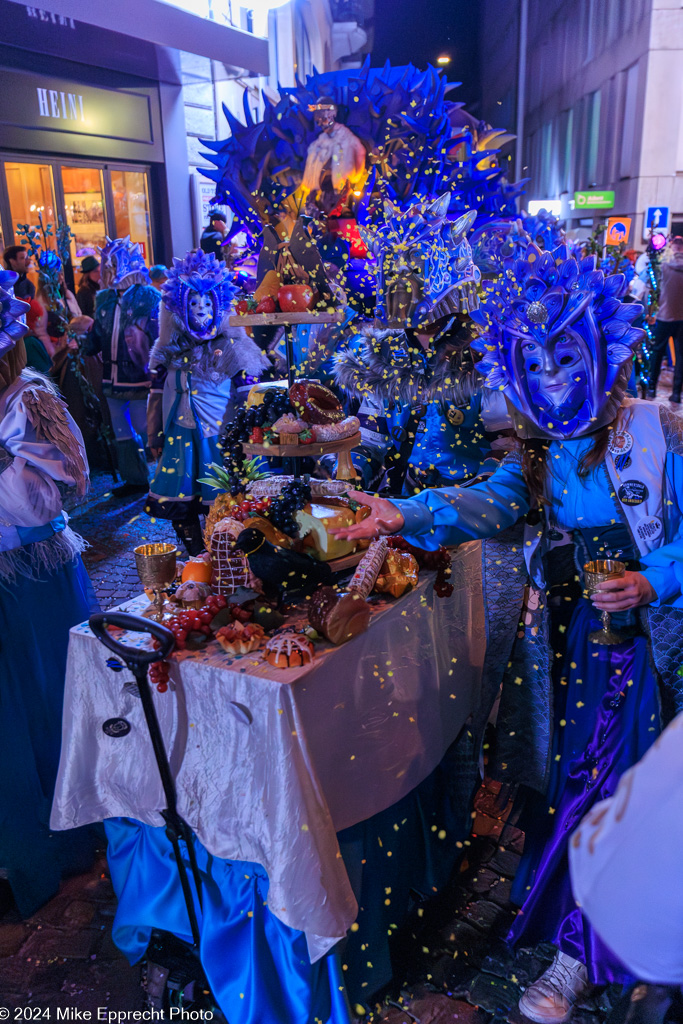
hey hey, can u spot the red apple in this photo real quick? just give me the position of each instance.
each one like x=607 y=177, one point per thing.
x=295 y=298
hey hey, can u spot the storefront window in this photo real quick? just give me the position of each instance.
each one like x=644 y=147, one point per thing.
x=30 y=192
x=131 y=209
x=84 y=205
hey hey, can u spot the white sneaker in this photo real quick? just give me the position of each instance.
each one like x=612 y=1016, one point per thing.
x=551 y=999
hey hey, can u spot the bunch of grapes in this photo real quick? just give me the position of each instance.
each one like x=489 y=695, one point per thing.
x=232 y=453
x=159 y=674
x=283 y=509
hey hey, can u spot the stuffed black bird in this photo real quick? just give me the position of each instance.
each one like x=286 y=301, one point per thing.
x=286 y=575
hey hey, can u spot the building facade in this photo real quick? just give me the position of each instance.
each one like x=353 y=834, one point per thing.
x=102 y=120
x=599 y=103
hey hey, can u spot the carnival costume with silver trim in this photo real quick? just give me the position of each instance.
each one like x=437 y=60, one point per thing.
x=559 y=344
x=192 y=365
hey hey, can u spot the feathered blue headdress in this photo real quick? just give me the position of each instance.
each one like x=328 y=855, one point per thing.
x=558 y=342
x=12 y=313
x=199 y=293
x=424 y=265
x=122 y=263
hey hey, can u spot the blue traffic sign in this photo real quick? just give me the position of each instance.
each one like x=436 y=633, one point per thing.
x=657 y=217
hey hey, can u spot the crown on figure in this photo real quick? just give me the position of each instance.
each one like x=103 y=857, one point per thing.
x=12 y=313
x=122 y=259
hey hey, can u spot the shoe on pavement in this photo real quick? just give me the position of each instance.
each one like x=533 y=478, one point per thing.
x=651 y=393
x=675 y=398
x=552 y=998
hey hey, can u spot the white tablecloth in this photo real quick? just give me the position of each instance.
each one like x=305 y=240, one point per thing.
x=270 y=764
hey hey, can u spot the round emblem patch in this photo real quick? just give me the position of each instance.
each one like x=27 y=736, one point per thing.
x=116 y=727
x=455 y=417
x=620 y=442
x=649 y=528
x=633 y=492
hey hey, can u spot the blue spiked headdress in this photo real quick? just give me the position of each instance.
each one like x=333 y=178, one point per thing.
x=122 y=263
x=424 y=269
x=558 y=342
x=199 y=293
x=12 y=313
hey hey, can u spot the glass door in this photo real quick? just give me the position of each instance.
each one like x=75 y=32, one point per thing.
x=30 y=191
x=84 y=208
x=131 y=208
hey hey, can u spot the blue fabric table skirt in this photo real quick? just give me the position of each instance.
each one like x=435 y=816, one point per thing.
x=258 y=968
x=35 y=618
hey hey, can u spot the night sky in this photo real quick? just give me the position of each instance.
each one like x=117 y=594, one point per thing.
x=417 y=31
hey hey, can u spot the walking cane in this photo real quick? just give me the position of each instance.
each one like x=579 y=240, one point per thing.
x=137 y=660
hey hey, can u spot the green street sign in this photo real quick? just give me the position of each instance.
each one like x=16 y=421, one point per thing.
x=593 y=200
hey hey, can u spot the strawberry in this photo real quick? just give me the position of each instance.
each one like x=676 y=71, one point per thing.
x=267 y=305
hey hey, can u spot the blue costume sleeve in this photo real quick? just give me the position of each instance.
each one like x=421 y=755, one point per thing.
x=664 y=567
x=453 y=515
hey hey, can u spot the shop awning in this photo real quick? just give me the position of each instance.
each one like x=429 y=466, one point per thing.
x=166 y=25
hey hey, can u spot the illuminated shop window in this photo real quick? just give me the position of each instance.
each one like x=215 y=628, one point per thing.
x=84 y=207
x=131 y=209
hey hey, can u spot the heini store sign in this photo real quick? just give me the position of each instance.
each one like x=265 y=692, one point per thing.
x=57 y=105
x=593 y=200
x=60 y=105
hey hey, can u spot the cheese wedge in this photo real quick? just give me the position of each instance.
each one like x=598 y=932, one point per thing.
x=315 y=522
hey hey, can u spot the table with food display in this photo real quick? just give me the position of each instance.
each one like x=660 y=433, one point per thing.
x=310 y=712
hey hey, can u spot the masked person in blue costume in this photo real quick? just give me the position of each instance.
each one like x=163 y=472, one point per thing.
x=193 y=366
x=44 y=591
x=126 y=326
x=416 y=389
x=596 y=476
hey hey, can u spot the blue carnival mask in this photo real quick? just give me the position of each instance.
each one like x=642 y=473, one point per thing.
x=199 y=293
x=122 y=264
x=424 y=267
x=557 y=342
x=12 y=313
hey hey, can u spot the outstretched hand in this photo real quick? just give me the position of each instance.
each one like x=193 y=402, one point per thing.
x=383 y=519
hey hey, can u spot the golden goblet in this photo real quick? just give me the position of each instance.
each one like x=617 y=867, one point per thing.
x=156 y=566
x=594 y=573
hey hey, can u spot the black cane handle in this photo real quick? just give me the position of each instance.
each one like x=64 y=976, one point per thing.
x=134 y=657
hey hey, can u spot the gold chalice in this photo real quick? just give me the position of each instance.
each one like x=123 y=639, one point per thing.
x=156 y=566
x=594 y=573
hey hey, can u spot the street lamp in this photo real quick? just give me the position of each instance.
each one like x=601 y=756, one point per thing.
x=443 y=59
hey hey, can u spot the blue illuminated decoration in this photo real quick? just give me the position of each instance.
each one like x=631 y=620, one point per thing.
x=12 y=312
x=424 y=268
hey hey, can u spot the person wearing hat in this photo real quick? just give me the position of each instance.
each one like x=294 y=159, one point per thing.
x=89 y=286
x=213 y=236
x=158 y=274
x=669 y=322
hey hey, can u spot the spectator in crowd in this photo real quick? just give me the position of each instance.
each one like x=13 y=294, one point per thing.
x=214 y=236
x=44 y=591
x=89 y=286
x=16 y=259
x=158 y=275
x=669 y=322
